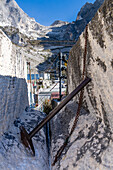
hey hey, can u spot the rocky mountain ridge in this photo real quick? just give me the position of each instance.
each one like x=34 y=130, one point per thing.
x=12 y=15
x=27 y=33
x=88 y=10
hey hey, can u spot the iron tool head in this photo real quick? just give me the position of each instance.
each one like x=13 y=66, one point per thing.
x=26 y=140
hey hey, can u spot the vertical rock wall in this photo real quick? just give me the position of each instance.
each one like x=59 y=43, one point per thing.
x=98 y=98
x=12 y=60
x=13 y=100
x=96 y=149
x=13 y=87
x=91 y=144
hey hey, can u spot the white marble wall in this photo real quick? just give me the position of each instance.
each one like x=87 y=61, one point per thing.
x=13 y=87
x=12 y=60
x=13 y=100
x=91 y=144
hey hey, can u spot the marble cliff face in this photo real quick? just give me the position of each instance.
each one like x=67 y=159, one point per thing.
x=99 y=93
x=91 y=145
x=98 y=96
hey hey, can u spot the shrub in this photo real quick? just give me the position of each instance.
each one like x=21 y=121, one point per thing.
x=47 y=107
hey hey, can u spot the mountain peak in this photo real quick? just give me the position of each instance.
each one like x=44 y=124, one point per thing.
x=57 y=22
x=12 y=15
x=88 y=10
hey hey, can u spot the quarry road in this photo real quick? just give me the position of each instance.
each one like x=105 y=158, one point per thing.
x=13 y=155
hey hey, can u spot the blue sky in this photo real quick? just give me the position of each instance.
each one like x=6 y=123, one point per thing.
x=46 y=12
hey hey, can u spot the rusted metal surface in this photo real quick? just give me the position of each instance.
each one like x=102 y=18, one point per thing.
x=27 y=138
